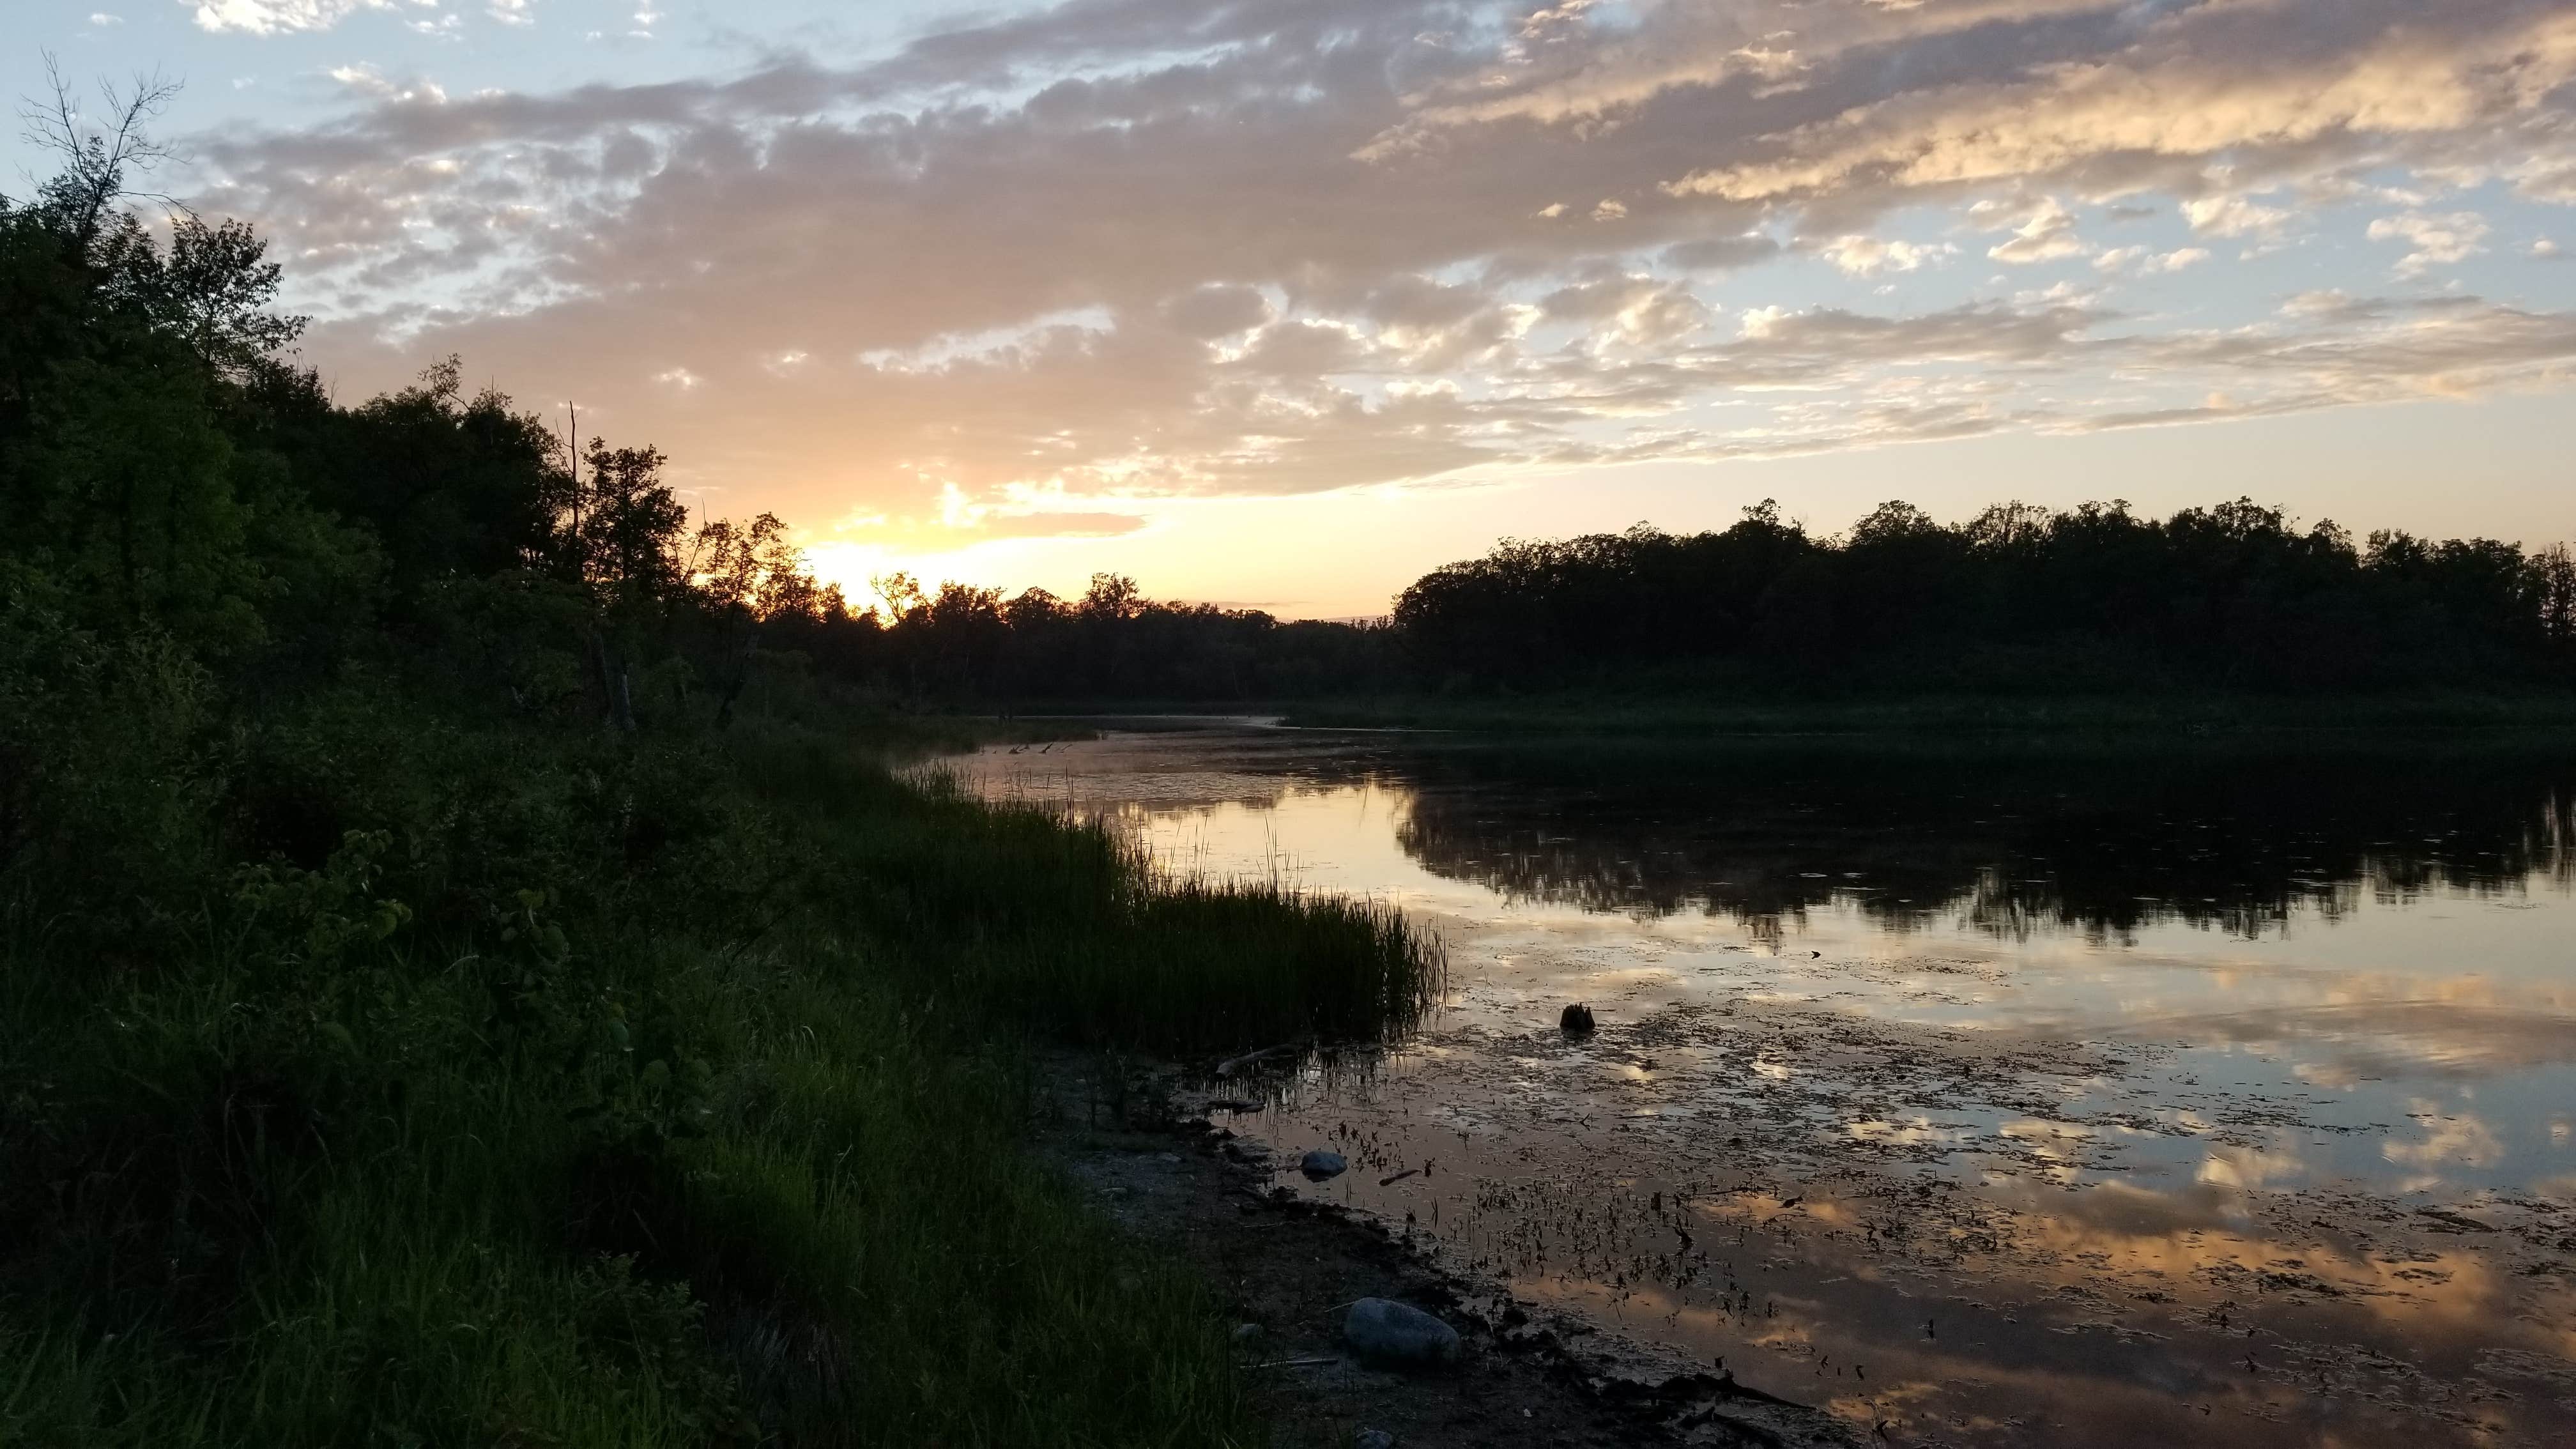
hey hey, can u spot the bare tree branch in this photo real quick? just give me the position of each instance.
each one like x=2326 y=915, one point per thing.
x=98 y=159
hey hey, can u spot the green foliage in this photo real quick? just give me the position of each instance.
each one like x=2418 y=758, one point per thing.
x=132 y=473
x=109 y=756
x=451 y=486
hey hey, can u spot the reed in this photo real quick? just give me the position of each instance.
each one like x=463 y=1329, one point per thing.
x=1023 y=913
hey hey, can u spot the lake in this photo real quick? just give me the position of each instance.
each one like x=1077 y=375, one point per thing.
x=1983 y=1093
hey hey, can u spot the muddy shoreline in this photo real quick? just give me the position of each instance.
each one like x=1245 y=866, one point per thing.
x=1139 y=1141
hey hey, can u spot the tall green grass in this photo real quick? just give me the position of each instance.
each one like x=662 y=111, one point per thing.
x=1016 y=912
x=588 y=1093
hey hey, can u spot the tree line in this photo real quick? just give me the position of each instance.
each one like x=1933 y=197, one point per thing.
x=2233 y=596
x=2236 y=596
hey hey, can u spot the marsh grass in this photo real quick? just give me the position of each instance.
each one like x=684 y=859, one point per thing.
x=589 y=1093
x=1019 y=912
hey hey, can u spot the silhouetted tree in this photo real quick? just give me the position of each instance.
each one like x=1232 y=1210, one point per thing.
x=2020 y=596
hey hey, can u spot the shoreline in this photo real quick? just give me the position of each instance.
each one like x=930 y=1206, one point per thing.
x=2155 y=719
x=1531 y=1375
x=2159 y=720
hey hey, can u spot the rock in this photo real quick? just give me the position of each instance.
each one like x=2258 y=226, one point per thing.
x=1248 y=1149
x=1384 y=1332
x=1320 y=1164
x=1576 y=1021
x=1373 y=1439
x=1246 y=1332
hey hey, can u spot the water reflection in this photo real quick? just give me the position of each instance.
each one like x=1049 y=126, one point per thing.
x=2237 y=841
x=2210 y=1096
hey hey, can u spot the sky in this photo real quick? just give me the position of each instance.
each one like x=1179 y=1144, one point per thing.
x=1279 y=303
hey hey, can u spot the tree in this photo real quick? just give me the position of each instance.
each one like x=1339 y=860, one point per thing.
x=750 y=578
x=626 y=533
x=96 y=159
x=629 y=526
x=1112 y=596
x=453 y=487
x=211 y=289
x=121 y=364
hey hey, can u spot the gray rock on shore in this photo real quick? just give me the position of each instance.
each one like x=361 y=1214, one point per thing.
x=1320 y=1164
x=1389 y=1334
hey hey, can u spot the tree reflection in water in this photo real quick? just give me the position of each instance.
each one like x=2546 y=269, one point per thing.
x=2097 y=844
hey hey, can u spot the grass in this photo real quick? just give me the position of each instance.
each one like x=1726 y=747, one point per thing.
x=1068 y=929
x=590 y=1093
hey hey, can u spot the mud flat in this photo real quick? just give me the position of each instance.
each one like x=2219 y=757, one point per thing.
x=1531 y=1375
x=1937 y=1242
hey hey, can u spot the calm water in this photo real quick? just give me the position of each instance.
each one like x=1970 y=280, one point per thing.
x=2205 y=1095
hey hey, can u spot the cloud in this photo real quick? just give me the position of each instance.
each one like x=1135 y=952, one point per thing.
x=276 y=17
x=1721 y=253
x=2450 y=1140
x=2232 y=216
x=2265 y=88
x=1864 y=256
x=1217 y=310
x=2434 y=240
x=286 y=17
x=1120 y=250
x=1057 y=525
x=2046 y=235
x=2147 y=261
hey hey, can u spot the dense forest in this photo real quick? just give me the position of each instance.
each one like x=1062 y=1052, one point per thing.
x=2021 y=597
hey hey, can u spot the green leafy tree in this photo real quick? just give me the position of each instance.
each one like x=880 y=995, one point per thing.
x=120 y=474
